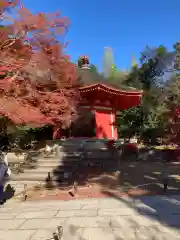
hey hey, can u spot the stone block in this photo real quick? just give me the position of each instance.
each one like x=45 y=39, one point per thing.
x=16 y=235
x=73 y=233
x=48 y=206
x=87 y=201
x=86 y=222
x=146 y=233
x=8 y=210
x=123 y=222
x=97 y=234
x=125 y=233
x=35 y=208
x=70 y=205
x=69 y=232
x=77 y=213
x=43 y=223
x=10 y=224
x=105 y=203
x=9 y=215
x=42 y=234
x=34 y=224
x=54 y=223
x=146 y=221
x=39 y=214
x=117 y=212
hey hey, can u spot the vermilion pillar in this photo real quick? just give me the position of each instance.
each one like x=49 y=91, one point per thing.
x=105 y=124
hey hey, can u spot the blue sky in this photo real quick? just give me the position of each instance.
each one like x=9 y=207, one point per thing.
x=125 y=25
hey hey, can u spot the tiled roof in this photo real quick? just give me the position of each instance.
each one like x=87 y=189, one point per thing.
x=87 y=77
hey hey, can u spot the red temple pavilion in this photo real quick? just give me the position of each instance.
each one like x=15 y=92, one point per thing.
x=103 y=101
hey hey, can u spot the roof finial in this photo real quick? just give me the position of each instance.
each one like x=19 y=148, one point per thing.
x=83 y=62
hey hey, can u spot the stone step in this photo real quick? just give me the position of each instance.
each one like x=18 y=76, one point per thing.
x=47 y=169
x=68 y=159
x=51 y=166
x=54 y=165
x=47 y=165
x=37 y=160
x=41 y=174
x=49 y=158
x=68 y=153
x=38 y=171
x=38 y=179
x=33 y=177
x=44 y=163
x=19 y=185
x=42 y=160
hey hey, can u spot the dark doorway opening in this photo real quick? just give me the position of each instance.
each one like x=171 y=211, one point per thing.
x=84 y=126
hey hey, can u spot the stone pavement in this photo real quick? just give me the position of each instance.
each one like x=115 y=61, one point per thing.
x=156 y=218
x=19 y=185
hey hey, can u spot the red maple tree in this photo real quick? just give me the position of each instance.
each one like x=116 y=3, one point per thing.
x=37 y=80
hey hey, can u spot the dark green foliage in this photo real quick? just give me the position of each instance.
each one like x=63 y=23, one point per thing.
x=177 y=61
x=130 y=122
x=93 y=68
x=24 y=135
x=150 y=117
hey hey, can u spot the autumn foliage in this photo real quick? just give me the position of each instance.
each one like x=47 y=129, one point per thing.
x=37 y=80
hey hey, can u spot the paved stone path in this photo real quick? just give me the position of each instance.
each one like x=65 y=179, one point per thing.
x=19 y=185
x=156 y=218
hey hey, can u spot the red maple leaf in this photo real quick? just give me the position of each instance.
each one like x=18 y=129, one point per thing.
x=39 y=83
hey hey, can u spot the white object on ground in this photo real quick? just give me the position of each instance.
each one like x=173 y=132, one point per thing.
x=6 y=162
x=133 y=140
x=48 y=149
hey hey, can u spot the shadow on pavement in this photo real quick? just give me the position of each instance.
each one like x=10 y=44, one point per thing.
x=82 y=160
x=165 y=209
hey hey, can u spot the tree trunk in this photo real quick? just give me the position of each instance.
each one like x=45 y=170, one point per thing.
x=56 y=132
x=4 y=141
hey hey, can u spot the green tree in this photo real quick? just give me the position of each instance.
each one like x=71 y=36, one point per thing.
x=93 y=68
x=151 y=113
x=117 y=77
x=108 y=61
x=130 y=121
x=177 y=60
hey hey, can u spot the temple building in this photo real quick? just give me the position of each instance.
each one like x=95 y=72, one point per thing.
x=100 y=103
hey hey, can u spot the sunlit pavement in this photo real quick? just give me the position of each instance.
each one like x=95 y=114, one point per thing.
x=156 y=217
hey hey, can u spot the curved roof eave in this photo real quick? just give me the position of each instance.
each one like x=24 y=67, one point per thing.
x=106 y=88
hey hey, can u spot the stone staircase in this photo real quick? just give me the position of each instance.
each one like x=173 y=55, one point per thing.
x=43 y=166
x=38 y=175
x=61 y=168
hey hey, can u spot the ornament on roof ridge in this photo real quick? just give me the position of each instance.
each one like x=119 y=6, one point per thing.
x=83 y=62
